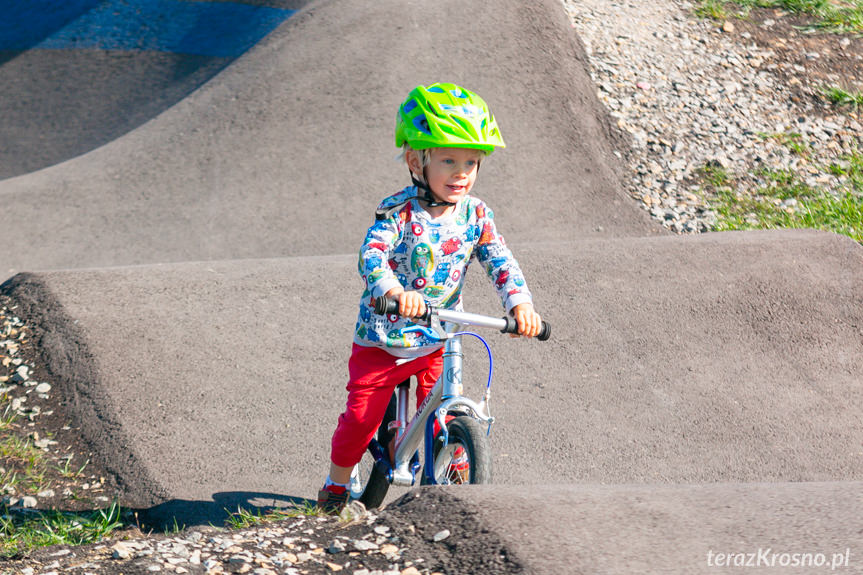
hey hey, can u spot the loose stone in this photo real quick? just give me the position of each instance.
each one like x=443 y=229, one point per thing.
x=441 y=535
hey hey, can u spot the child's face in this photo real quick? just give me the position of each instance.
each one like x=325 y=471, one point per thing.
x=451 y=172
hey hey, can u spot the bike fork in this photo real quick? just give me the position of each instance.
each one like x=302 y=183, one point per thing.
x=411 y=437
x=399 y=423
x=429 y=451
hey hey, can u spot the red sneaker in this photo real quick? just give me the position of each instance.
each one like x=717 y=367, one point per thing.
x=332 y=499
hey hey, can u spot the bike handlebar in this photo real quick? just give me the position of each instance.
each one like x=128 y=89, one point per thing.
x=388 y=306
x=506 y=324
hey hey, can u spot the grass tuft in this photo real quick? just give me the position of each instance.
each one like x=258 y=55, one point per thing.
x=23 y=466
x=244 y=518
x=785 y=201
x=8 y=418
x=842 y=98
x=714 y=9
x=833 y=16
x=715 y=175
x=69 y=472
x=793 y=141
x=22 y=531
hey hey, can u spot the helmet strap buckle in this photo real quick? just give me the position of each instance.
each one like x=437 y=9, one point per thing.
x=427 y=196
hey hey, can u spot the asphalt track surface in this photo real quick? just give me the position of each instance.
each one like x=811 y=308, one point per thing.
x=192 y=273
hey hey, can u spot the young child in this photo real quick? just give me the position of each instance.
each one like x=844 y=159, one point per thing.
x=418 y=251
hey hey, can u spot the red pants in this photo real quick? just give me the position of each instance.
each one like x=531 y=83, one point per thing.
x=374 y=375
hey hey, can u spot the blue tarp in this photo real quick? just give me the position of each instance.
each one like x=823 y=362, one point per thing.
x=219 y=29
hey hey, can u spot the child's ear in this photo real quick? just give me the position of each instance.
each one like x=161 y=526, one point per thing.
x=414 y=163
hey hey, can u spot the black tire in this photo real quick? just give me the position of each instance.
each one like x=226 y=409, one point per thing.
x=373 y=484
x=467 y=434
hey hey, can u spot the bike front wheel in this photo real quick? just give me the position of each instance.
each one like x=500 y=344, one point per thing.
x=467 y=456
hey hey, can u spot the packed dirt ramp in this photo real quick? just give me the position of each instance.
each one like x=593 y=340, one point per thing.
x=192 y=284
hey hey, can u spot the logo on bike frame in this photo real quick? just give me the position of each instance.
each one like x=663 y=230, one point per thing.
x=453 y=378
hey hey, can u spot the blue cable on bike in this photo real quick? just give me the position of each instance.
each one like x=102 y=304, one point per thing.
x=430 y=333
x=487 y=350
x=490 y=368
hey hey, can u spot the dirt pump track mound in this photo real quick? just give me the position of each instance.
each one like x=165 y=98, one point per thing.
x=688 y=370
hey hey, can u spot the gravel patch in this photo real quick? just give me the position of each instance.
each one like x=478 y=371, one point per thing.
x=31 y=410
x=692 y=92
x=356 y=544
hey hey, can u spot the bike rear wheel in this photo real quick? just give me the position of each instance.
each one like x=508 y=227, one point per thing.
x=368 y=484
x=467 y=455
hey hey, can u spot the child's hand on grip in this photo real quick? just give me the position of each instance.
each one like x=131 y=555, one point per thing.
x=411 y=303
x=529 y=322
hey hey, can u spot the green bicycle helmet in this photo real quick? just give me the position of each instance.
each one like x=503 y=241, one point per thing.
x=444 y=115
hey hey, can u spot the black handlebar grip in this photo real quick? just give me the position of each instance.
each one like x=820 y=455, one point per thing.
x=512 y=327
x=544 y=332
x=386 y=306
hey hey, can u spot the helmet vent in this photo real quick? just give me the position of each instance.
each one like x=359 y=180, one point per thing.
x=466 y=126
x=422 y=124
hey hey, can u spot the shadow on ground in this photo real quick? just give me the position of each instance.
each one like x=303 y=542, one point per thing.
x=185 y=513
x=76 y=75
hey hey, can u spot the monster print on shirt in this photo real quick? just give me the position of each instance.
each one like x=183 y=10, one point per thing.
x=431 y=255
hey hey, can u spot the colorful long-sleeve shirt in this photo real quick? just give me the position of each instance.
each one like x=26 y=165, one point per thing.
x=430 y=255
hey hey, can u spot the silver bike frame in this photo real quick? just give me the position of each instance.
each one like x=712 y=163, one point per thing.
x=445 y=395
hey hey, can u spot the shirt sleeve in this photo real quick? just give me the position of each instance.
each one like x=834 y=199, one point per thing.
x=499 y=263
x=375 y=254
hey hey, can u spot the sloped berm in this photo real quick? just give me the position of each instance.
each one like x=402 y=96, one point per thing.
x=723 y=358
x=287 y=151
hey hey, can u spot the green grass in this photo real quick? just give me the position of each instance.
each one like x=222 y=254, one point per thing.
x=836 y=16
x=23 y=466
x=850 y=166
x=21 y=532
x=785 y=201
x=243 y=518
x=842 y=98
x=714 y=9
x=843 y=215
x=69 y=472
x=24 y=470
x=793 y=141
x=715 y=175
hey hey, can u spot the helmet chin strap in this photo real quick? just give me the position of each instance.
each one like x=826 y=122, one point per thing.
x=429 y=198
x=426 y=197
